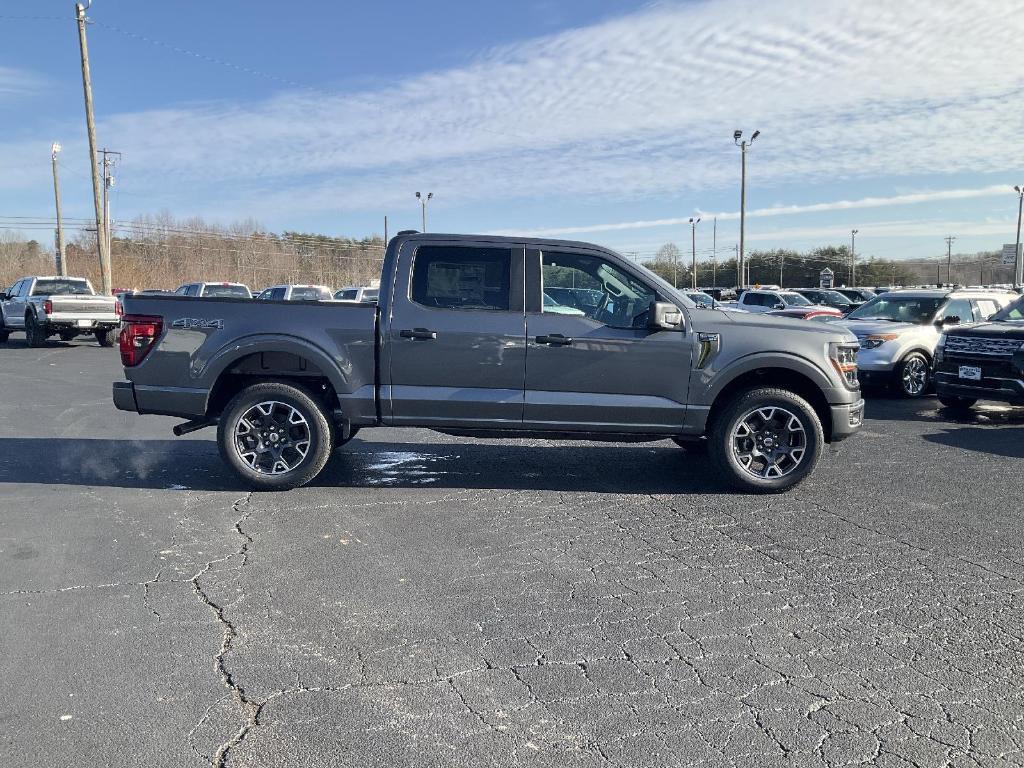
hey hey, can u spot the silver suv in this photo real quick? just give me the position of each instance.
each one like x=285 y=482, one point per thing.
x=898 y=332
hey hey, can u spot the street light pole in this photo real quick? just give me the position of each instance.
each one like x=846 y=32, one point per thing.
x=714 y=253
x=737 y=139
x=693 y=248
x=423 y=204
x=62 y=268
x=949 y=258
x=853 y=257
x=1018 y=272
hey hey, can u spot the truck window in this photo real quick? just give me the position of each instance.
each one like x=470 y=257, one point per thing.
x=455 y=277
x=584 y=285
x=61 y=288
x=277 y=294
x=226 y=292
x=958 y=308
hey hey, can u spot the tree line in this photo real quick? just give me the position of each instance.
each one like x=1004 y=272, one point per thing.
x=802 y=269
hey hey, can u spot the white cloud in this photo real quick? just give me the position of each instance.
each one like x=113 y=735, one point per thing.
x=639 y=107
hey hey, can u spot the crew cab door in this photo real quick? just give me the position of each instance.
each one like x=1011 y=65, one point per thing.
x=456 y=337
x=592 y=363
x=14 y=307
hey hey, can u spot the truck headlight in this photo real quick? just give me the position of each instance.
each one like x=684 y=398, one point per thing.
x=844 y=359
x=876 y=340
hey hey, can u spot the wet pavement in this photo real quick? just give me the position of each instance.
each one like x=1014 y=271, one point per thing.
x=433 y=601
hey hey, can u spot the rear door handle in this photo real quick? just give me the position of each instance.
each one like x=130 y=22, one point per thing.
x=554 y=340
x=418 y=333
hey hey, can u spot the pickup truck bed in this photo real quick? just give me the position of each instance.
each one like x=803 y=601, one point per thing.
x=465 y=340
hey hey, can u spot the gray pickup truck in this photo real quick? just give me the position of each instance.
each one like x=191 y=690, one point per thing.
x=62 y=306
x=464 y=341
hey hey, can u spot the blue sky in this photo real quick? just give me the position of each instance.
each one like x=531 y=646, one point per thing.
x=603 y=121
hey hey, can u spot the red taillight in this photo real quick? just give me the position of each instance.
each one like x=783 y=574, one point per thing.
x=138 y=335
x=48 y=307
x=118 y=309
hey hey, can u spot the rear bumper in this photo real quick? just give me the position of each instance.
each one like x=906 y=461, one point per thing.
x=846 y=419
x=161 y=401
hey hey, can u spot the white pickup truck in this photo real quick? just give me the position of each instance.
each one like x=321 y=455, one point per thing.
x=63 y=306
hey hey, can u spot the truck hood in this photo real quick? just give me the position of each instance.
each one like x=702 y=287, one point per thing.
x=761 y=321
x=990 y=330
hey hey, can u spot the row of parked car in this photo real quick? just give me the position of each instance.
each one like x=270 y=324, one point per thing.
x=289 y=292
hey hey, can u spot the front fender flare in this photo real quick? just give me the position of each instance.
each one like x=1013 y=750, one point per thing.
x=714 y=381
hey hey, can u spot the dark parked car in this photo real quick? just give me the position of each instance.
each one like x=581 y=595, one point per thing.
x=857 y=295
x=982 y=361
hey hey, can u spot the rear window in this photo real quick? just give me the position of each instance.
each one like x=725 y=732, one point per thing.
x=462 y=277
x=370 y=294
x=347 y=295
x=61 y=288
x=226 y=292
x=307 y=293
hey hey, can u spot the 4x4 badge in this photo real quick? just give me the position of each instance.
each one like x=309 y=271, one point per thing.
x=197 y=322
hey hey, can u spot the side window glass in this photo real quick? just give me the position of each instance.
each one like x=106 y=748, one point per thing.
x=986 y=308
x=181 y=290
x=582 y=285
x=460 y=277
x=959 y=308
x=277 y=294
x=16 y=289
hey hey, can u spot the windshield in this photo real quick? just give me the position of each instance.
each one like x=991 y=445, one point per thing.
x=837 y=297
x=62 y=288
x=899 y=309
x=1011 y=314
x=226 y=292
x=795 y=300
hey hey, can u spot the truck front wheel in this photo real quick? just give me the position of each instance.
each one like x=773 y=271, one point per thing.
x=274 y=436
x=35 y=332
x=766 y=440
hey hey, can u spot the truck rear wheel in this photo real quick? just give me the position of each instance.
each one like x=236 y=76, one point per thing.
x=274 y=436
x=766 y=440
x=105 y=337
x=35 y=333
x=4 y=332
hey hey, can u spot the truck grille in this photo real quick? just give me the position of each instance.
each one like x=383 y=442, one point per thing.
x=976 y=345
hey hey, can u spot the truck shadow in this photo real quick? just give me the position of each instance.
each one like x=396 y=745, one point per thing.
x=1007 y=441
x=196 y=465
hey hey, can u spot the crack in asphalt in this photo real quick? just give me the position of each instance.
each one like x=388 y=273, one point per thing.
x=250 y=708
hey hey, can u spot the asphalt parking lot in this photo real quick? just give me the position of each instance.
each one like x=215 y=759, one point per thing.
x=438 y=602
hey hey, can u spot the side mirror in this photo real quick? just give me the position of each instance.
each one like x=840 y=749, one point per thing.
x=950 y=320
x=665 y=317
x=4 y=296
x=780 y=305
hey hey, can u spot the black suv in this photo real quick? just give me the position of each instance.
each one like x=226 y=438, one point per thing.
x=983 y=361
x=829 y=298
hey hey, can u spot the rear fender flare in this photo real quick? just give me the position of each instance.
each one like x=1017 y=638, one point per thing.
x=210 y=371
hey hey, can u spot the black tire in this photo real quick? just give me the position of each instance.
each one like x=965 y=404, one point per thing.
x=913 y=376
x=698 y=447
x=954 y=403
x=35 y=334
x=4 y=333
x=317 y=433
x=105 y=338
x=725 y=439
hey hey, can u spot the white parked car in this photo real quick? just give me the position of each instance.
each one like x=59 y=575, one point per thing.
x=898 y=331
x=296 y=293
x=215 y=290
x=762 y=300
x=358 y=294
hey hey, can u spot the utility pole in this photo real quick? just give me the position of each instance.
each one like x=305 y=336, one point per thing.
x=108 y=181
x=693 y=248
x=423 y=204
x=62 y=267
x=714 y=253
x=90 y=123
x=737 y=135
x=1018 y=272
x=853 y=257
x=739 y=274
x=782 y=263
x=385 y=231
x=949 y=258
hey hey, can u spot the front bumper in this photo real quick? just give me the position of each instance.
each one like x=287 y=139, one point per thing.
x=989 y=388
x=846 y=419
